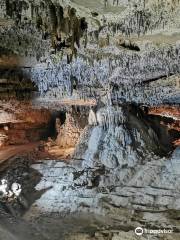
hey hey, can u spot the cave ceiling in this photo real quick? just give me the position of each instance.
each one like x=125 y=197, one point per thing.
x=100 y=52
x=128 y=51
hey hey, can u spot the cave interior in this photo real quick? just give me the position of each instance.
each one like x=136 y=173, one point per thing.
x=89 y=120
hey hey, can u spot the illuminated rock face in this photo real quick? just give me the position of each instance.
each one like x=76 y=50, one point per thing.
x=166 y=111
x=119 y=176
x=69 y=133
x=20 y=123
x=170 y=117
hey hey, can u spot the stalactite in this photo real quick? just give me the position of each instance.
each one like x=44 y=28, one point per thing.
x=53 y=24
x=140 y=67
x=60 y=20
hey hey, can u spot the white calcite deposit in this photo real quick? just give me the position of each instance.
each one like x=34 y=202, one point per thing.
x=111 y=177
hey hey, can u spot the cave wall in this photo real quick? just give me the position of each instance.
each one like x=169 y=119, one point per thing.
x=69 y=133
x=20 y=123
x=116 y=172
x=120 y=62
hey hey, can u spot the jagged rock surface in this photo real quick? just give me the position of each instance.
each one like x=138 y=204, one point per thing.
x=117 y=63
x=111 y=56
x=114 y=173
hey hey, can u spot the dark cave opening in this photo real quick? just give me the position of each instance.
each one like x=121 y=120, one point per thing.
x=55 y=116
x=130 y=46
x=162 y=127
x=63 y=132
x=162 y=138
x=166 y=135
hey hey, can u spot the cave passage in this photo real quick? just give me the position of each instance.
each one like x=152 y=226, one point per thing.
x=52 y=131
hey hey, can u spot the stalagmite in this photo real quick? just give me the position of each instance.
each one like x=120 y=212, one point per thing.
x=92 y=118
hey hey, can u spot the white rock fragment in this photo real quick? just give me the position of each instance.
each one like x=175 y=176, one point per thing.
x=6 y=192
x=16 y=189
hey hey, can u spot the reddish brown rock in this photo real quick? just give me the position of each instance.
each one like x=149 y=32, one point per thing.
x=20 y=123
x=69 y=133
x=173 y=114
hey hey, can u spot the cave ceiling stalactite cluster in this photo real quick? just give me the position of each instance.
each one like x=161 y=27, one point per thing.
x=89 y=118
x=50 y=19
x=63 y=30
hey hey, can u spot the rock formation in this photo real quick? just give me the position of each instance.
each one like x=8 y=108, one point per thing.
x=99 y=80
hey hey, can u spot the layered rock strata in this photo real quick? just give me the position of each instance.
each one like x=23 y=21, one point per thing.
x=117 y=172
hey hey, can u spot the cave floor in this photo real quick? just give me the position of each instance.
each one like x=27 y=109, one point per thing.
x=56 y=227
x=11 y=151
x=72 y=227
x=38 y=225
x=54 y=152
x=78 y=226
x=63 y=153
